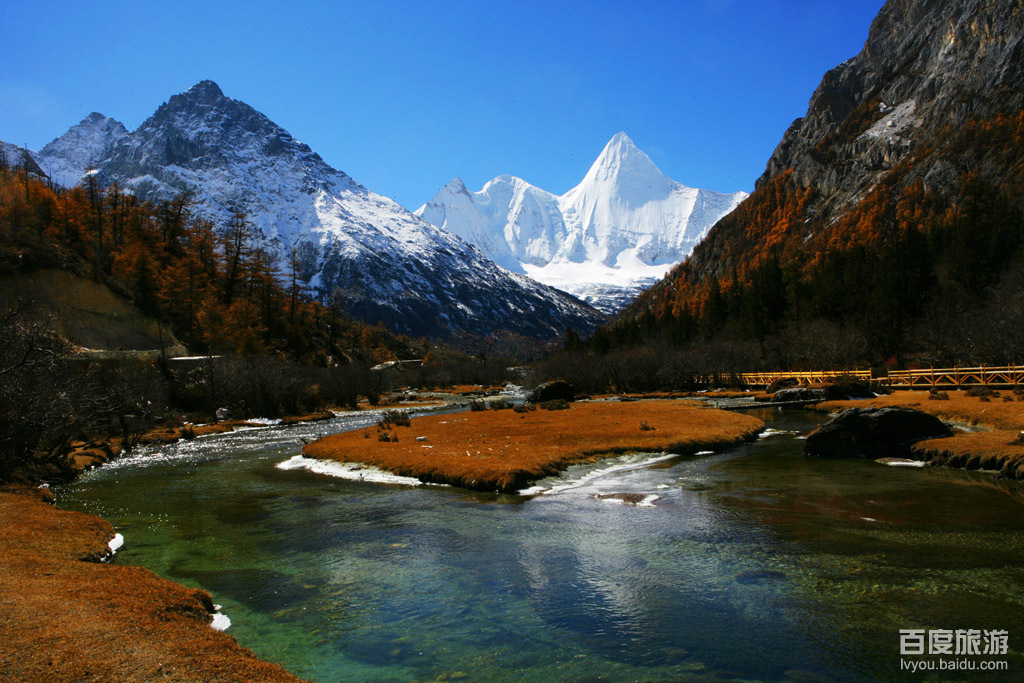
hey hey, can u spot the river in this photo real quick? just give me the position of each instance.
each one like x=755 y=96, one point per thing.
x=753 y=564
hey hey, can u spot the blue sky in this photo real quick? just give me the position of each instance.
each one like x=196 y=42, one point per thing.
x=403 y=96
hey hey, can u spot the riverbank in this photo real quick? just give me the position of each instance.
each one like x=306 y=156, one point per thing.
x=66 y=616
x=503 y=450
x=997 y=445
x=86 y=455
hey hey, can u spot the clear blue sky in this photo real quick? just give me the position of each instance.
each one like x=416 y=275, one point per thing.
x=403 y=96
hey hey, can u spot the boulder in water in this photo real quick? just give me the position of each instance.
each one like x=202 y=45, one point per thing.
x=554 y=390
x=874 y=433
x=784 y=383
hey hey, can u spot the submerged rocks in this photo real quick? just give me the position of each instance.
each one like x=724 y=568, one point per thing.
x=873 y=433
x=836 y=391
x=784 y=383
x=554 y=390
x=799 y=394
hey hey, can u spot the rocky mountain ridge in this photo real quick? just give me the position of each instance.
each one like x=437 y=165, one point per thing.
x=344 y=240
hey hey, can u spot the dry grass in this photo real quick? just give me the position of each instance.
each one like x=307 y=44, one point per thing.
x=66 y=618
x=504 y=450
x=997 y=449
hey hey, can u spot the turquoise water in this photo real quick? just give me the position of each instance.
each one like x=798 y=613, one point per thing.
x=754 y=564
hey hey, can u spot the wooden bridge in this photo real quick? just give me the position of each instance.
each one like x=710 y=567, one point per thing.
x=803 y=377
x=1004 y=376
x=984 y=375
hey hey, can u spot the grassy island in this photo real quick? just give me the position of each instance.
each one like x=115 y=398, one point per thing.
x=503 y=450
x=999 y=446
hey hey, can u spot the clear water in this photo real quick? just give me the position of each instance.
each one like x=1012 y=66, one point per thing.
x=754 y=564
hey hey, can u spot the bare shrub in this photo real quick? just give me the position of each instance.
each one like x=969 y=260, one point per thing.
x=398 y=418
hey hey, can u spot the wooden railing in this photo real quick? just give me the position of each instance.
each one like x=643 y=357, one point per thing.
x=1008 y=375
x=804 y=377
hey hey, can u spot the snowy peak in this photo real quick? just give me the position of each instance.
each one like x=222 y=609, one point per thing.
x=204 y=91
x=623 y=165
x=624 y=225
x=456 y=186
x=229 y=155
x=84 y=146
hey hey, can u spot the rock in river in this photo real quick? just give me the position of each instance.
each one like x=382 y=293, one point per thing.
x=552 y=391
x=873 y=433
x=834 y=391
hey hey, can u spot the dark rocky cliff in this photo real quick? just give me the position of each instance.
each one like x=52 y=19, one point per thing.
x=891 y=114
x=927 y=64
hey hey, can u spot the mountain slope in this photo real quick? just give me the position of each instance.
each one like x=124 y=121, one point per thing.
x=344 y=240
x=896 y=199
x=620 y=229
x=12 y=156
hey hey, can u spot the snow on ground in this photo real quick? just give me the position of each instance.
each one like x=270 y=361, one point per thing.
x=347 y=470
x=115 y=543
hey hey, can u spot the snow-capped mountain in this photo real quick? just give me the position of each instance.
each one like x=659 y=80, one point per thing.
x=387 y=264
x=621 y=229
x=83 y=147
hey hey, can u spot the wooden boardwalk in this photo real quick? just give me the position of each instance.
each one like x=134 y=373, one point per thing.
x=984 y=375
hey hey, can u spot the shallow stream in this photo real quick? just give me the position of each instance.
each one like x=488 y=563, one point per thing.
x=754 y=564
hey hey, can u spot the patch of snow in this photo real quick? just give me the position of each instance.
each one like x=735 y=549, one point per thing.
x=626 y=463
x=263 y=421
x=896 y=121
x=774 y=432
x=906 y=463
x=348 y=470
x=647 y=502
x=115 y=543
x=220 y=622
